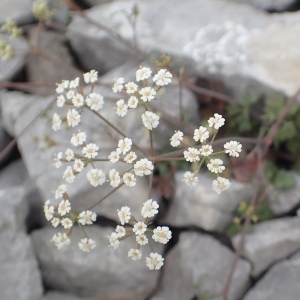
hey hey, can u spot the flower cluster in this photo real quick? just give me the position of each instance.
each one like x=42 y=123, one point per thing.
x=139 y=229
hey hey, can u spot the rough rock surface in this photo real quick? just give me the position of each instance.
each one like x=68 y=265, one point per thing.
x=273 y=5
x=198 y=265
x=22 y=14
x=61 y=296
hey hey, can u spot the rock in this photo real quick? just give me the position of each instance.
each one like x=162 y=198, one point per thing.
x=61 y=296
x=20 y=278
x=61 y=12
x=280 y=282
x=269 y=242
x=4 y=141
x=97 y=2
x=201 y=206
x=41 y=69
x=104 y=273
x=198 y=266
x=21 y=15
x=269 y=5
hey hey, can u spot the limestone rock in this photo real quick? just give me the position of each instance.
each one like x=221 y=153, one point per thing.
x=22 y=14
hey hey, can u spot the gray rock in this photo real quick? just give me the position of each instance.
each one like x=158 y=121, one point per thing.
x=19 y=278
x=104 y=273
x=97 y=2
x=201 y=206
x=4 y=141
x=60 y=10
x=276 y=5
x=280 y=282
x=22 y=14
x=61 y=296
x=198 y=265
x=270 y=242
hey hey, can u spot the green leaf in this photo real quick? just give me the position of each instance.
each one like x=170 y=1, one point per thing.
x=271 y=170
x=284 y=181
x=286 y=132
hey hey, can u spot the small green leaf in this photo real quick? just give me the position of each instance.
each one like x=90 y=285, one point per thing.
x=284 y=181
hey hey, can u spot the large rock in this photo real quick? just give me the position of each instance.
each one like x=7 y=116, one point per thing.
x=61 y=296
x=198 y=265
x=104 y=273
x=269 y=242
x=270 y=5
x=201 y=206
x=19 y=11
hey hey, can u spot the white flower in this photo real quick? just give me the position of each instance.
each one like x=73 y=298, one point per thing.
x=48 y=210
x=86 y=245
x=66 y=223
x=150 y=120
x=87 y=217
x=129 y=179
x=114 y=157
x=121 y=108
x=139 y=228
x=141 y=239
x=69 y=154
x=215 y=165
x=78 y=165
x=147 y=94
x=60 y=240
x=95 y=177
x=201 y=134
x=78 y=100
x=94 y=101
x=130 y=157
x=124 y=214
x=162 y=77
x=74 y=83
x=217 y=121
x=131 y=87
x=206 y=150
x=155 y=261
x=176 y=138
x=233 y=148
x=118 y=85
x=70 y=94
x=91 y=76
x=114 y=177
x=64 y=207
x=162 y=234
x=149 y=209
x=60 y=101
x=120 y=230
x=143 y=73
x=113 y=240
x=124 y=145
x=221 y=184
x=132 y=102
x=192 y=154
x=143 y=167
x=62 y=86
x=90 y=150
x=190 y=179
x=135 y=254
x=78 y=139
x=60 y=191
x=73 y=117
x=55 y=222
x=57 y=160
x=56 y=122
x=69 y=175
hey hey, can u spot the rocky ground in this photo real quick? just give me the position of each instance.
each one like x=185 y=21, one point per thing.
x=251 y=46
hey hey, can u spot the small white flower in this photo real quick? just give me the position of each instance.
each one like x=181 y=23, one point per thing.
x=60 y=191
x=78 y=165
x=162 y=77
x=221 y=184
x=87 y=217
x=48 y=210
x=143 y=167
x=74 y=83
x=94 y=101
x=55 y=222
x=121 y=108
x=216 y=165
x=176 y=138
x=192 y=154
x=73 y=117
x=150 y=120
x=217 y=121
x=70 y=94
x=66 y=223
x=149 y=209
x=190 y=179
x=114 y=157
x=60 y=101
x=86 y=245
x=120 y=230
x=206 y=150
x=124 y=145
x=141 y=239
x=90 y=150
x=155 y=261
x=114 y=177
x=147 y=94
x=56 y=122
x=233 y=148
x=130 y=157
x=139 y=228
x=135 y=254
x=69 y=154
x=162 y=234
x=118 y=85
x=57 y=160
x=132 y=102
x=131 y=87
x=69 y=175
x=62 y=86
x=78 y=139
x=64 y=207
x=129 y=179
x=78 y=100
x=60 y=240
x=95 y=177
x=124 y=214
x=143 y=73
x=113 y=240
x=91 y=76
x=201 y=134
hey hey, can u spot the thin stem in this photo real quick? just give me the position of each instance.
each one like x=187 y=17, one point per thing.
x=150 y=185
